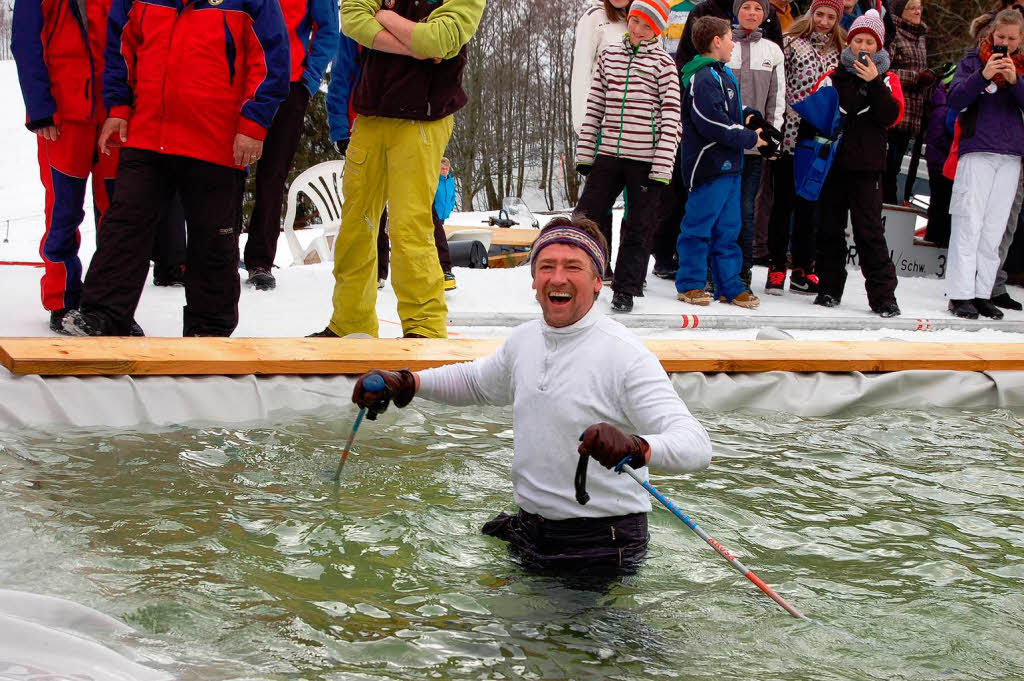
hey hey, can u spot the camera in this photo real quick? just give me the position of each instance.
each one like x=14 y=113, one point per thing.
x=864 y=57
x=1000 y=49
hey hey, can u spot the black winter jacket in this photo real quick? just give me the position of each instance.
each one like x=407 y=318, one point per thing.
x=770 y=27
x=870 y=109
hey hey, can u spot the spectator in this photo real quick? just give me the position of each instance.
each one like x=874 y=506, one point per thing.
x=852 y=193
x=722 y=9
x=787 y=11
x=601 y=26
x=313 y=38
x=56 y=50
x=812 y=49
x=628 y=409
x=856 y=8
x=629 y=139
x=344 y=73
x=192 y=125
x=988 y=91
x=910 y=63
x=937 y=147
x=851 y=10
x=713 y=143
x=444 y=204
x=409 y=87
x=758 y=66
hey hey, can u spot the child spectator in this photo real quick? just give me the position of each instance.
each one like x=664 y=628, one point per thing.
x=910 y=62
x=444 y=204
x=812 y=47
x=629 y=139
x=988 y=92
x=758 y=66
x=712 y=158
x=870 y=98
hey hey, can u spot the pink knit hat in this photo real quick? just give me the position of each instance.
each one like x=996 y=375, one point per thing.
x=869 y=22
x=654 y=12
x=836 y=5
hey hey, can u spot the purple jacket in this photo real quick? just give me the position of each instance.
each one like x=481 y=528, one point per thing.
x=990 y=121
x=939 y=137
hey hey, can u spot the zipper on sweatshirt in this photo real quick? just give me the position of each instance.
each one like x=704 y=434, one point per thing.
x=625 y=92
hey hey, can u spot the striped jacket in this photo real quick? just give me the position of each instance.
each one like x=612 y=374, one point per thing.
x=633 y=108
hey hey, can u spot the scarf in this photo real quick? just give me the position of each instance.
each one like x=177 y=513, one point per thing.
x=881 y=59
x=985 y=53
x=741 y=35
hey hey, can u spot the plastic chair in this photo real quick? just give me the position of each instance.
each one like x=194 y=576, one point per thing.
x=321 y=184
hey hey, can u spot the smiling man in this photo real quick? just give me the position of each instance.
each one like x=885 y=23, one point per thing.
x=578 y=383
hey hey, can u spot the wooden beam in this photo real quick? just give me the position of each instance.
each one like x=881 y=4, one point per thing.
x=521 y=237
x=241 y=356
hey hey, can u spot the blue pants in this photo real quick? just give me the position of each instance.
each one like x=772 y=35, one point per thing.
x=712 y=221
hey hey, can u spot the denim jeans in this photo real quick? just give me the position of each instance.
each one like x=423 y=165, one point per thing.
x=750 y=184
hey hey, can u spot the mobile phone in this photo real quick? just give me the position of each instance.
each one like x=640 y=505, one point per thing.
x=864 y=57
x=1000 y=49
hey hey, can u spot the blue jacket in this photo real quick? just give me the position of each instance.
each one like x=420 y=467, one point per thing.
x=990 y=121
x=444 y=197
x=713 y=134
x=344 y=73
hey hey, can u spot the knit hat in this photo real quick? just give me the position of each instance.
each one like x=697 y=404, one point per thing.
x=897 y=7
x=654 y=12
x=869 y=22
x=739 y=3
x=835 y=5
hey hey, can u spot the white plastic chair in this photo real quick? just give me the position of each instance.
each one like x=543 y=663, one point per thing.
x=321 y=184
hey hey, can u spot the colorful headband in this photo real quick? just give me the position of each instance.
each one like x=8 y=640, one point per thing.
x=573 y=236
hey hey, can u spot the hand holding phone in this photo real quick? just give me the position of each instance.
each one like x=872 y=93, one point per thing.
x=864 y=57
x=1001 y=50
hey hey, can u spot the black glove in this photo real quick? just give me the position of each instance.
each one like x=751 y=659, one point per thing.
x=341 y=146
x=399 y=387
x=583 y=169
x=609 y=446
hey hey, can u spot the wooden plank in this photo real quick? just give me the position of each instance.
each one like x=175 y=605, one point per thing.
x=241 y=356
x=501 y=236
x=506 y=260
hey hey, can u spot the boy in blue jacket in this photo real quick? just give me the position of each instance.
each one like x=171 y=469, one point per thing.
x=714 y=138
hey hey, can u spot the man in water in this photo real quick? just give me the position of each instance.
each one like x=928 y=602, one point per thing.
x=580 y=383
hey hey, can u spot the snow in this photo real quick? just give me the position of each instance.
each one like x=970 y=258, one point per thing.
x=301 y=303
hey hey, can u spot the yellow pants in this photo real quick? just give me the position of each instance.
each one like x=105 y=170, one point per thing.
x=393 y=162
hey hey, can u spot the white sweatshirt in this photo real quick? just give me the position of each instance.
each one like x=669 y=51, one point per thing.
x=561 y=381
x=593 y=33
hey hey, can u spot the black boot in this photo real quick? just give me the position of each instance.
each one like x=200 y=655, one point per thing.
x=826 y=300
x=985 y=308
x=261 y=279
x=964 y=309
x=887 y=310
x=1004 y=301
x=326 y=333
x=622 y=302
x=57 y=320
x=78 y=323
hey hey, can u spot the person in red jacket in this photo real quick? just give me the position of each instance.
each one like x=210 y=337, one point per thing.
x=191 y=90
x=58 y=47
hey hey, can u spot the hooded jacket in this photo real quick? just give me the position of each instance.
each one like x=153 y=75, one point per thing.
x=593 y=33
x=713 y=133
x=758 y=66
x=989 y=116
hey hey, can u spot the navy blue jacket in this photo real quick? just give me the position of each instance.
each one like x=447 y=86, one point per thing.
x=713 y=134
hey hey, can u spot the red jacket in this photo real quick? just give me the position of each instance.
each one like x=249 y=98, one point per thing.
x=60 y=59
x=189 y=77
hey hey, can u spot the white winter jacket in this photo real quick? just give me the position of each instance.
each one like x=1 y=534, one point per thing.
x=593 y=33
x=758 y=65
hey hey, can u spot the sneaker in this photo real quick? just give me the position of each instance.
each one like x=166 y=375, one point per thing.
x=261 y=279
x=887 y=310
x=665 y=272
x=826 y=300
x=985 y=308
x=449 y=281
x=803 y=282
x=57 y=320
x=695 y=296
x=326 y=333
x=380 y=284
x=1004 y=301
x=746 y=299
x=78 y=323
x=964 y=309
x=168 y=276
x=622 y=302
x=776 y=280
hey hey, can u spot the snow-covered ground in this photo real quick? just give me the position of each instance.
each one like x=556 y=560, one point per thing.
x=302 y=301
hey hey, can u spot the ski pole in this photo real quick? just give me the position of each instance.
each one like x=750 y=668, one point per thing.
x=373 y=384
x=722 y=551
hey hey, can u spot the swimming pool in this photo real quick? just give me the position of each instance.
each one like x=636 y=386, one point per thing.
x=901 y=532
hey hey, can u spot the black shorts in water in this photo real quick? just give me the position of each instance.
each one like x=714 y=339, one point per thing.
x=611 y=546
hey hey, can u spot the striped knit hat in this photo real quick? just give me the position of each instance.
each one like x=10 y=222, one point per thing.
x=834 y=5
x=869 y=22
x=654 y=12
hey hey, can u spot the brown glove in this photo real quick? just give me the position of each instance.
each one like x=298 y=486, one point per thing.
x=609 y=446
x=399 y=387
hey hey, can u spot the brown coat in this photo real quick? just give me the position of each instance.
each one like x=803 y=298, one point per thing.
x=909 y=58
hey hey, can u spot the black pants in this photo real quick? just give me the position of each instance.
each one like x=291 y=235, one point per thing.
x=271 y=173
x=939 y=221
x=384 y=245
x=786 y=206
x=605 y=182
x=859 y=197
x=673 y=207
x=211 y=196
x=169 y=248
x=615 y=545
x=899 y=140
